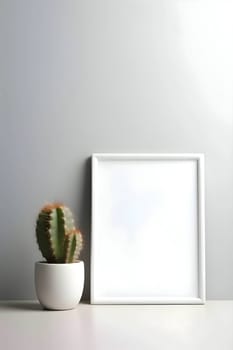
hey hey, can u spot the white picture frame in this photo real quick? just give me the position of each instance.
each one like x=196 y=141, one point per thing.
x=148 y=229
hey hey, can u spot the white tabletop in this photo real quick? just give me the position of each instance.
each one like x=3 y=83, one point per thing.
x=24 y=325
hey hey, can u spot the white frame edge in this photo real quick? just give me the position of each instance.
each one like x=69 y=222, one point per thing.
x=199 y=157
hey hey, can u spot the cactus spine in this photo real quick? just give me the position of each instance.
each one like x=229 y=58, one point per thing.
x=58 y=239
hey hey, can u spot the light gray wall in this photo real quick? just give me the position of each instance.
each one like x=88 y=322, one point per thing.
x=83 y=76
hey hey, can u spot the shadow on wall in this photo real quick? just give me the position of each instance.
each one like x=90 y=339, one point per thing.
x=85 y=224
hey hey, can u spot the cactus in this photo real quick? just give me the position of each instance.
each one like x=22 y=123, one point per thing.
x=58 y=239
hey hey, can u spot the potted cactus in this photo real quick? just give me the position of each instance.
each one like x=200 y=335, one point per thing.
x=59 y=280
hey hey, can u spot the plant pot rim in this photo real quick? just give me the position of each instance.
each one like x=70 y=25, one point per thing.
x=58 y=264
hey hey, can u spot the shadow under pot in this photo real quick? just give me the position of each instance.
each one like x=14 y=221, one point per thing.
x=59 y=286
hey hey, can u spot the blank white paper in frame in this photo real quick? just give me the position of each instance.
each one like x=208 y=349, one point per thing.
x=148 y=229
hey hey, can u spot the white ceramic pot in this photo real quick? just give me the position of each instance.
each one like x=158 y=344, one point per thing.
x=59 y=286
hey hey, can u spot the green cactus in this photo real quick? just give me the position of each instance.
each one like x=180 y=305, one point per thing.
x=58 y=239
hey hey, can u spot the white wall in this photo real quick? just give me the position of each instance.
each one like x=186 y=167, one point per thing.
x=83 y=76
